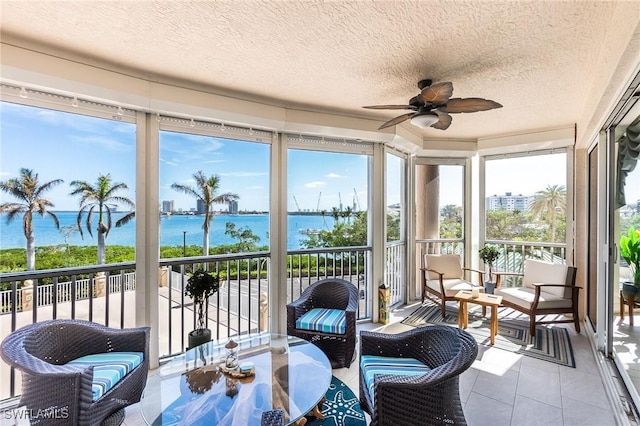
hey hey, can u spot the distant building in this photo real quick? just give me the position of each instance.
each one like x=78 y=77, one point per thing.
x=233 y=207
x=201 y=208
x=509 y=202
x=168 y=206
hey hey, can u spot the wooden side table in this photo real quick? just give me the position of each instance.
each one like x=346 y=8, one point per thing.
x=631 y=303
x=484 y=300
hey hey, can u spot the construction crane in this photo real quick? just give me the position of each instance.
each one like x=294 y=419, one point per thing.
x=297 y=205
x=355 y=193
x=318 y=205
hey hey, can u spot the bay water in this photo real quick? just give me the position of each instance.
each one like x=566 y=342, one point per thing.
x=174 y=230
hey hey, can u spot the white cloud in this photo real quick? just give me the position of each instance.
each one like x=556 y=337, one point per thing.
x=333 y=176
x=316 y=184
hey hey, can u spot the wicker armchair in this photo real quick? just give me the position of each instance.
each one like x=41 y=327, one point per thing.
x=40 y=351
x=272 y=418
x=331 y=293
x=429 y=398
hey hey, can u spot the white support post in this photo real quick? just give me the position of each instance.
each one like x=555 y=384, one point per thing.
x=147 y=230
x=278 y=237
x=378 y=225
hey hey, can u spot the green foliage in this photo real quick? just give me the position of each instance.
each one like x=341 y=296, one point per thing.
x=200 y=285
x=247 y=239
x=489 y=254
x=630 y=252
x=343 y=234
x=393 y=227
x=451 y=221
x=508 y=225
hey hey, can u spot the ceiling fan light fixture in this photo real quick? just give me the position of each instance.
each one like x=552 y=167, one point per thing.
x=424 y=120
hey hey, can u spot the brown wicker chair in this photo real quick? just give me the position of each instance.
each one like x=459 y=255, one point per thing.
x=272 y=418
x=330 y=293
x=432 y=398
x=40 y=351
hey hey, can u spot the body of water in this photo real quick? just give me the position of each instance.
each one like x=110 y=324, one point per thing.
x=172 y=229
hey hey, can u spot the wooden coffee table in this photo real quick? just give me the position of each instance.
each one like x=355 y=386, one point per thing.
x=483 y=299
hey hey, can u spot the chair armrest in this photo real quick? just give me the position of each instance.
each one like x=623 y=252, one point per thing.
x=480 y=273
x=538 y=285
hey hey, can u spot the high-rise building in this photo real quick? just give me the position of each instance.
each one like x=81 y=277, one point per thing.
x=201 y=208
x=233 y=207
x=509 y=202
x=168 y=206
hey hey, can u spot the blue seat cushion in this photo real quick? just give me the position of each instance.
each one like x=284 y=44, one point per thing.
x=373 y=365
x=324 y=320
x=108 y=368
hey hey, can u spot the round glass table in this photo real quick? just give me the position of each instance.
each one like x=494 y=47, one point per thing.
x=194 y=388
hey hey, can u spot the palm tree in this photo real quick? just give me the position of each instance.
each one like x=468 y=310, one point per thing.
x=548 y=202
x=347 y=213
x=29 y=191
x=101 y=198
x=206 y=190
x=336 y=215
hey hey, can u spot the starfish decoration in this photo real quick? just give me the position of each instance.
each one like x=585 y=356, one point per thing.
x=339 y=409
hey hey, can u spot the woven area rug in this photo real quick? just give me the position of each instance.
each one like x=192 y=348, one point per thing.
x=551 y=344
x=341 y=407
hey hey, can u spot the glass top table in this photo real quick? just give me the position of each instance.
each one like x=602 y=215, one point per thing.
x=193 y=388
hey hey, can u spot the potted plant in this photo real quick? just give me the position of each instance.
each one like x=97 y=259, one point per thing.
x=200 y=285
x=489 y=254
x=630 y=252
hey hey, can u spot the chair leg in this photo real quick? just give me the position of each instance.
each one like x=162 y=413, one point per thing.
x=532 y=325
x=576 y=320
x=443 y=307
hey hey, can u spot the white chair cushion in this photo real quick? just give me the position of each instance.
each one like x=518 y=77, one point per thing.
x=448 y=264
x=536 y=271
x=523 y=296
x=451 y=286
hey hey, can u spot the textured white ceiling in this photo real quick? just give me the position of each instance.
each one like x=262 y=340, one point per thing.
x=542 y=60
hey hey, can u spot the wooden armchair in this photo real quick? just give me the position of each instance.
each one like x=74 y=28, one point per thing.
x=547 y=288
x=443 y=276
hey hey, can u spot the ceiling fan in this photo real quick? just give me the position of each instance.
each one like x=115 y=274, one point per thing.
x=431 y=108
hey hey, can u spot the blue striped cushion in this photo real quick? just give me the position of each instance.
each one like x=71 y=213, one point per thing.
x=372 y=365
x=325 y=320
x=108 y=368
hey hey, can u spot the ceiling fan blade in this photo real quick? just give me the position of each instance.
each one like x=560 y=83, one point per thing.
x=444 y=121
x=397 y=120
x=456 y=105
x=438 y=93
x=390 y=107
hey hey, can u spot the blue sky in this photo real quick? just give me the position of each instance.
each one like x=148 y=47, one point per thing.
x=66 y=146
x=60 y=145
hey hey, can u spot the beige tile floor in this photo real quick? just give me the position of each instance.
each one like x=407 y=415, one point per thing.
x=503 y=388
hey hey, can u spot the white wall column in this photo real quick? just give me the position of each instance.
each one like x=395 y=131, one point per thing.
x=410 y=220
x=378 y=224
x=147 y=229
x=278 y=237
